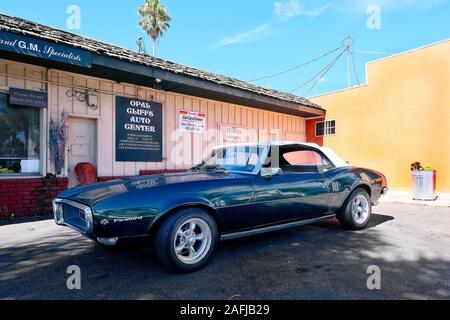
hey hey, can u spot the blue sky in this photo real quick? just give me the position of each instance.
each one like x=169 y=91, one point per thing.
x=253 y=38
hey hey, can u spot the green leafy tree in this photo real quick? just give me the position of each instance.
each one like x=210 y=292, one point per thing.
x=155 y=20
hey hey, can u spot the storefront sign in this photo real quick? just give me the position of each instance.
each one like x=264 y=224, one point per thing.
x=28 y=98
x=138 y=130
x=44 y=49
x=232 y=135
x=193 y=122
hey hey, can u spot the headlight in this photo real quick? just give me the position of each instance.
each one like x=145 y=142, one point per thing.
x=89 y=218
x=58 y=212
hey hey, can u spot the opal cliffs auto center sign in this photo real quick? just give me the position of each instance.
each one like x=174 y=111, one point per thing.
x=44 y=49
x=138 y=130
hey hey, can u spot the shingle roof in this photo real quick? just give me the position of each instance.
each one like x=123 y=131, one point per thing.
x=28 y=28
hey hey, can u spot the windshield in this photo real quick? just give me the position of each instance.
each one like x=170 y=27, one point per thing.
x=237 y=158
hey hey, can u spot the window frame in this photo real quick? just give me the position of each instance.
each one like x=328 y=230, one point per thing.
x=257 y=168
x=318 y=152
x=326 y=127
x=42 y=147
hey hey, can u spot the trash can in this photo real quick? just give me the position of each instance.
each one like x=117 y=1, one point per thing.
x=424 y=185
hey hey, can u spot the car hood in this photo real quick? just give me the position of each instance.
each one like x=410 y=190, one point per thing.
x=95 y=193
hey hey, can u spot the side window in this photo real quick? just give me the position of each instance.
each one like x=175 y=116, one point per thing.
x=300 y=158
x=323 y=164
x=304 y=161
x=299 y=161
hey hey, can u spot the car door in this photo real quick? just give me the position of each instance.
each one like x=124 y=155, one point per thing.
x=299 y=192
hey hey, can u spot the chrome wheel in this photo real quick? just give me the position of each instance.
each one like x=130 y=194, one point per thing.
x=192 y=241
x=360 y=209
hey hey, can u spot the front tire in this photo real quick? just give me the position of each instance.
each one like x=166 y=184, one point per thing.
x=356 y=212
x=186 y=241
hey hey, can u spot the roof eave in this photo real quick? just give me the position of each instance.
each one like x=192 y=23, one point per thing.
x=183 y=84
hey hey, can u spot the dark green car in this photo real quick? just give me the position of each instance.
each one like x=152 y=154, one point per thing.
x=238 y=191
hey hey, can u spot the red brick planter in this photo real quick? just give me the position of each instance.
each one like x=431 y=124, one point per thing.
x=29 y=197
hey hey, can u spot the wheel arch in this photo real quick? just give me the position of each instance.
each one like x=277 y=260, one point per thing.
x=363 y=186
x=360 y=185
x=163 y=217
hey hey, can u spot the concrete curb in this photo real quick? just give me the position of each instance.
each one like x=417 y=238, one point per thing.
x=405 y=197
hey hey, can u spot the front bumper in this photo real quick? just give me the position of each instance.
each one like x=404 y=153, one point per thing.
x=74 y=215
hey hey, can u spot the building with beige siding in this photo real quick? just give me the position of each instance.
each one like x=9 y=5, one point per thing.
x=125 y=113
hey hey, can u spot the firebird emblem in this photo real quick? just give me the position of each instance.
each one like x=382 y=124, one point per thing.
x=104 y=222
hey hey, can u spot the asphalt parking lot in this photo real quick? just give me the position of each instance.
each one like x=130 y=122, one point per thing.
x=409 y=243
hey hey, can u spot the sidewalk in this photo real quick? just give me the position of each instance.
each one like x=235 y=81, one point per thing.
x=406 y=197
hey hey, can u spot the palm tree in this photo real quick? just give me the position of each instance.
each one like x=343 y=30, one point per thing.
x=154 y=21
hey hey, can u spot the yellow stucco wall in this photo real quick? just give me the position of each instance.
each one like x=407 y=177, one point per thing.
x=402 y=115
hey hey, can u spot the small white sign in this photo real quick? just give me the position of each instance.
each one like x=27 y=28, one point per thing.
x=233 y=135
x=192 y=122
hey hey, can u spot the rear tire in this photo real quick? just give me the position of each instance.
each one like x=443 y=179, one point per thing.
x=186 y=241
x=356 y=212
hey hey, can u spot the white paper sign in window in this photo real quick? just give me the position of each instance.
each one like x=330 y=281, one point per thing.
x=233 y=135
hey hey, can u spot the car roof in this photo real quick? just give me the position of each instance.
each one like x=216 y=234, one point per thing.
x=273 y=143
x=331 y=155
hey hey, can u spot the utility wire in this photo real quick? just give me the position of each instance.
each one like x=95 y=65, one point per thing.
x=324 y=70
x=354 y=67
x=324 y=73
x=296 y=67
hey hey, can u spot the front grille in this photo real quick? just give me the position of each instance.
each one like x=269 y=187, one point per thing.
x=75 y=217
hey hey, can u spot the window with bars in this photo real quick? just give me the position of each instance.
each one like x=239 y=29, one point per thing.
x=326 y=128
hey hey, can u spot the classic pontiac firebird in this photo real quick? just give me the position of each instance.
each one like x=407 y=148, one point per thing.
x=239 y=190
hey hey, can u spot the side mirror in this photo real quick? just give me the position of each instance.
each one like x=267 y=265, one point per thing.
x=270 y=172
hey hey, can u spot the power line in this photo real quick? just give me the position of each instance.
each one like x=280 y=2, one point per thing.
x=320 y=72
x=325 y=69
x=354 y=67
x=324 y=73
x=296 y=67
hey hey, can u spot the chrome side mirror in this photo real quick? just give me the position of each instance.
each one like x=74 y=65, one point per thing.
x=271 y=172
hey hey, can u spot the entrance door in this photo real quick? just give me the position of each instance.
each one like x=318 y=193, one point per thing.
x=82 y=145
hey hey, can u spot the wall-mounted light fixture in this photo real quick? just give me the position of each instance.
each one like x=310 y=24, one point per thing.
x=157 y=85
x=84 y=96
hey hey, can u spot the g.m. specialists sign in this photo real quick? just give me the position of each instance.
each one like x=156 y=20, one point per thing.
x=138 y=130
x=44 y=49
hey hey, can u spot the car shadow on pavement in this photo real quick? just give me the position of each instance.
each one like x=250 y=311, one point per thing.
x=318 y=261
x=378 y=219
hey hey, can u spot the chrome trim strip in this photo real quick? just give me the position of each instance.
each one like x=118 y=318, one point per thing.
x=237 y=235
x=73 y=204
